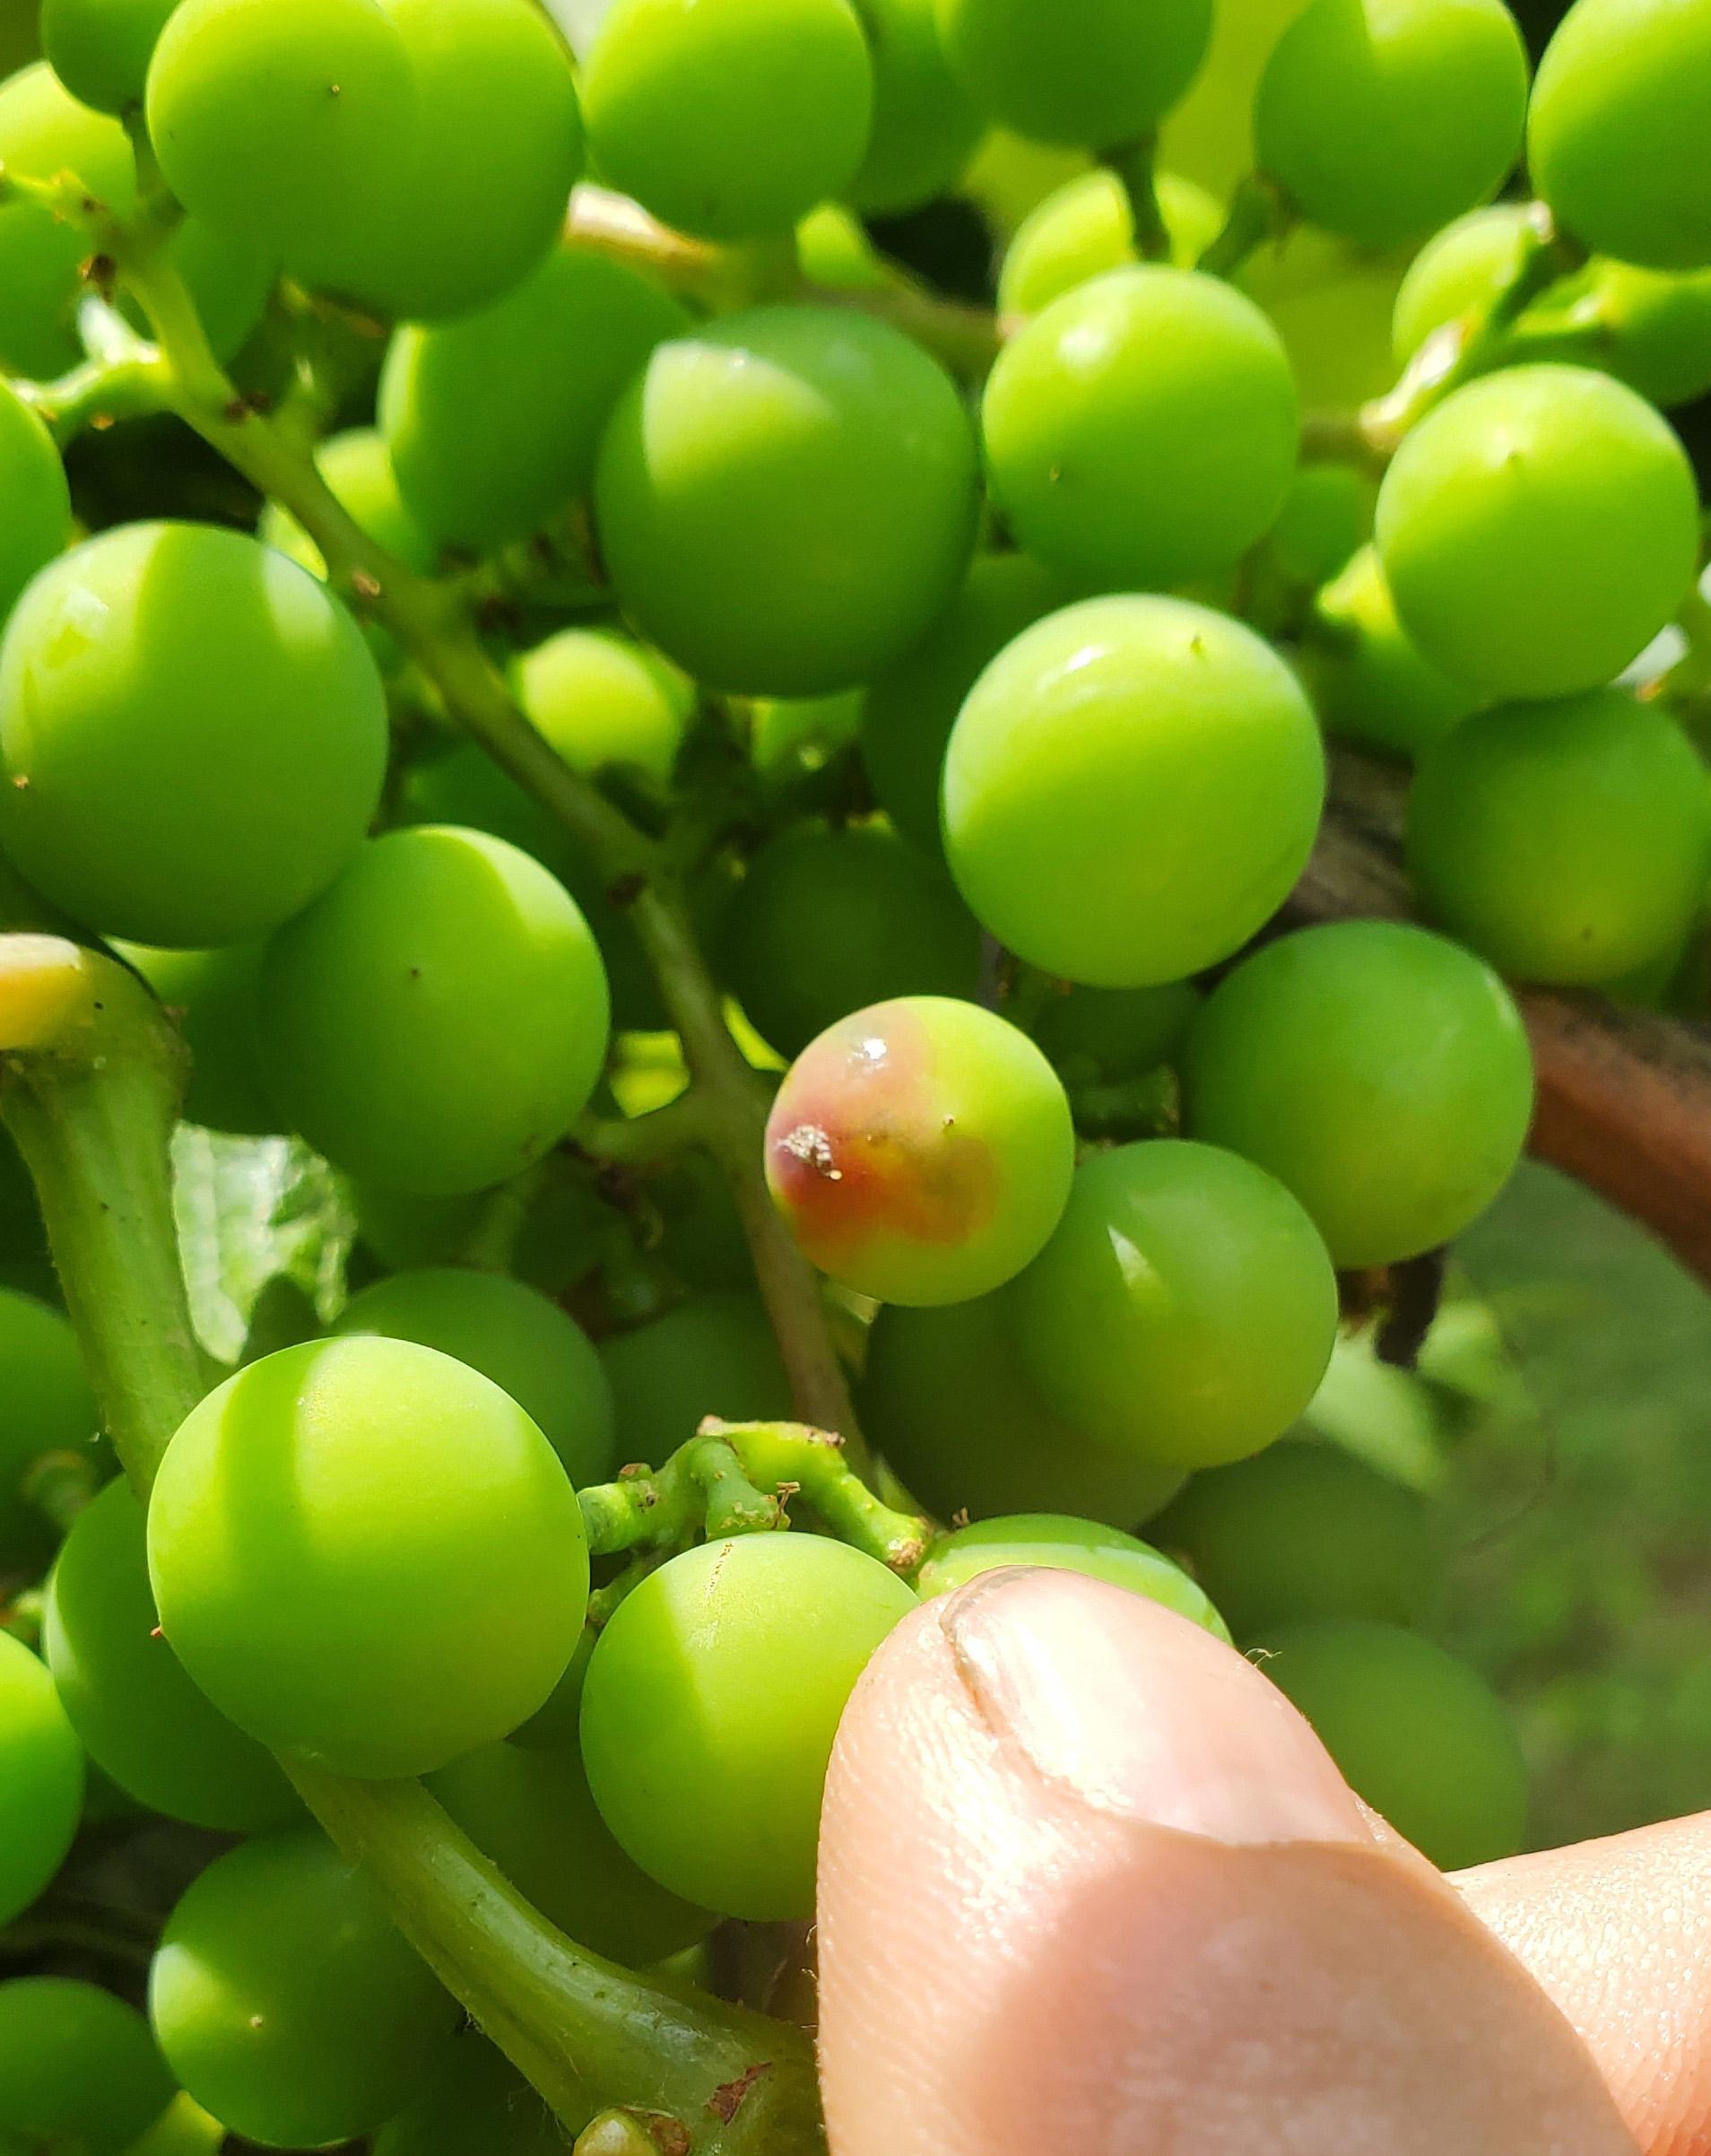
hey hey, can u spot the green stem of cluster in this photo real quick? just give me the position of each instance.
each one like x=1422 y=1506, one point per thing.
x=641 y=1141
x=1136 y=166
x=1257 y=212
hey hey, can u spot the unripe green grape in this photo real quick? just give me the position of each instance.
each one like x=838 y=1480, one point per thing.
x=1185 y=1308
x=1067 y=1544
x=1378 y=1072
x=834 y=249
x=1461 y=268
x=1087 y=227
x=1421 y=1736
x=100 y=49
x=438 y=1020
x=419 y=1595
x=920 y=1150
x=41 y=1790
x=605 y=703
x=714 y=1354
x=1615 y=131
x=1331 y=303
x=1119 y=715
x=140 y=1718
x=37 y=523
x=78 y=2068
x=475 y=2103
x=1326 y=518
x=793 y=735
x=1382 y=119
x=1537 y=530
x=512 y=1334
x=1210 y=136
x=193 y=735
x=1104 y=1033
x=1305 y=1530
x=493 y=422
x=45 y=1405
x=1093 y=74
x=1566 y=841
x=812 y=454
x=1142 y=429
x=183 y=2129
x=285 y=2002
x=357 y=472
x=830 y=920
x=724 y=1673
x=213 y=998
x=1369 y=682
x=925 y=128
x=679 y=94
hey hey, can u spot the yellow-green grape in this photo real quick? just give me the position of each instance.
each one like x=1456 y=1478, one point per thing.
x=1087 y=227
x=1368 y=681
x=1093 y=74
x=78 y=2068
x=834 y=249
x=924 y=127
x=41 y=1789
x=1331 y=303
x=475 y=2103
x=1209 y=136
x=1067 y=1544
x=606 y=703
x=729 y=118
x=100 y=49
x=358 y=474
x=45 y=1405
x=38 y=522
x=1103 y=1033
x=213 y=998
x=714 y=1354
x=183 y=2129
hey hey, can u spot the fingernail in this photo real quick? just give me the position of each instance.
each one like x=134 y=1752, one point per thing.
x=1137 y=1713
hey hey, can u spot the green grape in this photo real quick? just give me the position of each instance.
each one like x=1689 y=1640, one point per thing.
x=812 y=454
x=791 y=735
x=140 y=1719
x=1126 y=714
x=1067 y=1544
x=512 y=1334
x=100 y=49
x=493 y=422
x=213 y=998
x=1326 y=518
x=358 y=474
x=714 y=1354
x=830 y=920
x=1368 y=680
x=1537 y=530
x=439 y=1019
x=183 y=2129
x=606 y=703
x=924 y=130
x=1378 y=1072
x=1421 y=1737
x=1087 y=227
x=1095 y=75
x=1568 y=842
x=41 y=1790
x=37 y=500
x=1142 y=429
x=403 y=1231
x=1331 y=303
x=680 y=95
x=909 y=710
x=421 y=1592
x=285 y=2002
x=46 y=1406
x=193 y=735
x=1185 y=1308
x=1304 y=1531
x=532 y=1814
x=1616 y=132
x=1460 y=269
x=1382 y=119
x=724 y=1673
x=834 y=250
x=1115 y=1033
x=474 y=2104
x=78 y=2068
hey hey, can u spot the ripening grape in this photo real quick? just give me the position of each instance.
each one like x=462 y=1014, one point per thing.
x=924 y=130
x=605 y=703
x=285 y=2002
x=78 y=2068
x=729 y=118
x=1421 y=1737
x=419 y=1594
x=1382 y=119
x=1069 y=1545
x=41 y=1788
x=46 y=1406
x=814 y=454
x=1094 y=74
x=193 y=735
x=1185 y=1308
x=358 y=476
x=475 y=2103
x=1142 y=429
x=714 y=1354
x=100 y=49
x=512 y=1334
x=724 y=1674
x=1369 y=682
x=37 y=523
x=1132 y=790
x=1087 y=227
x=438 y=1020
x=1104 y=1033
x=1380 y=1072
x=213 y=998
x=140 y=1718
x=920 y=1150
x=1566 y=841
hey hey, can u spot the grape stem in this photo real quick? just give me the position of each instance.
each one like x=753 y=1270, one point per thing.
x=1136 y=166
x=641 y=1141
x=1258 y=214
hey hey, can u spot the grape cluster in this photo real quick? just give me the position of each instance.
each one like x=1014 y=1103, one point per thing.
x=742 y=820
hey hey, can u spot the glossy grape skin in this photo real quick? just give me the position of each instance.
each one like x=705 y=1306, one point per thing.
x=816 y=454
x=213 y=998
x=1304 y=1531
x=438 y=1020
x=1369 y=682
x=925 y=128
x=38 y=522
x=1185 y=1308
x=1568 y=841
x=1421 y=1737
x=78 y=2068
x=475 y=2103
x=832 y=919
x=423 y=1591
x=1104 y=1034
x=41 y=1786
x=1615 y=131
x=493 y=422
x=714 y=1354
x=1142 y=429
x=514 y=1335
x=101 y=49
x=1069 y=1545
x=142 y=1722
x=1186 y=726
x=605 y=703
x=725 y=1672
x=1087 y=227
x=193 y=735
x=45 y=1405
x=1537 y=529
x=679 y=93
x=1089 y=73
x=285 y=2002
x=1383 y=118
x=1378 y=1072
